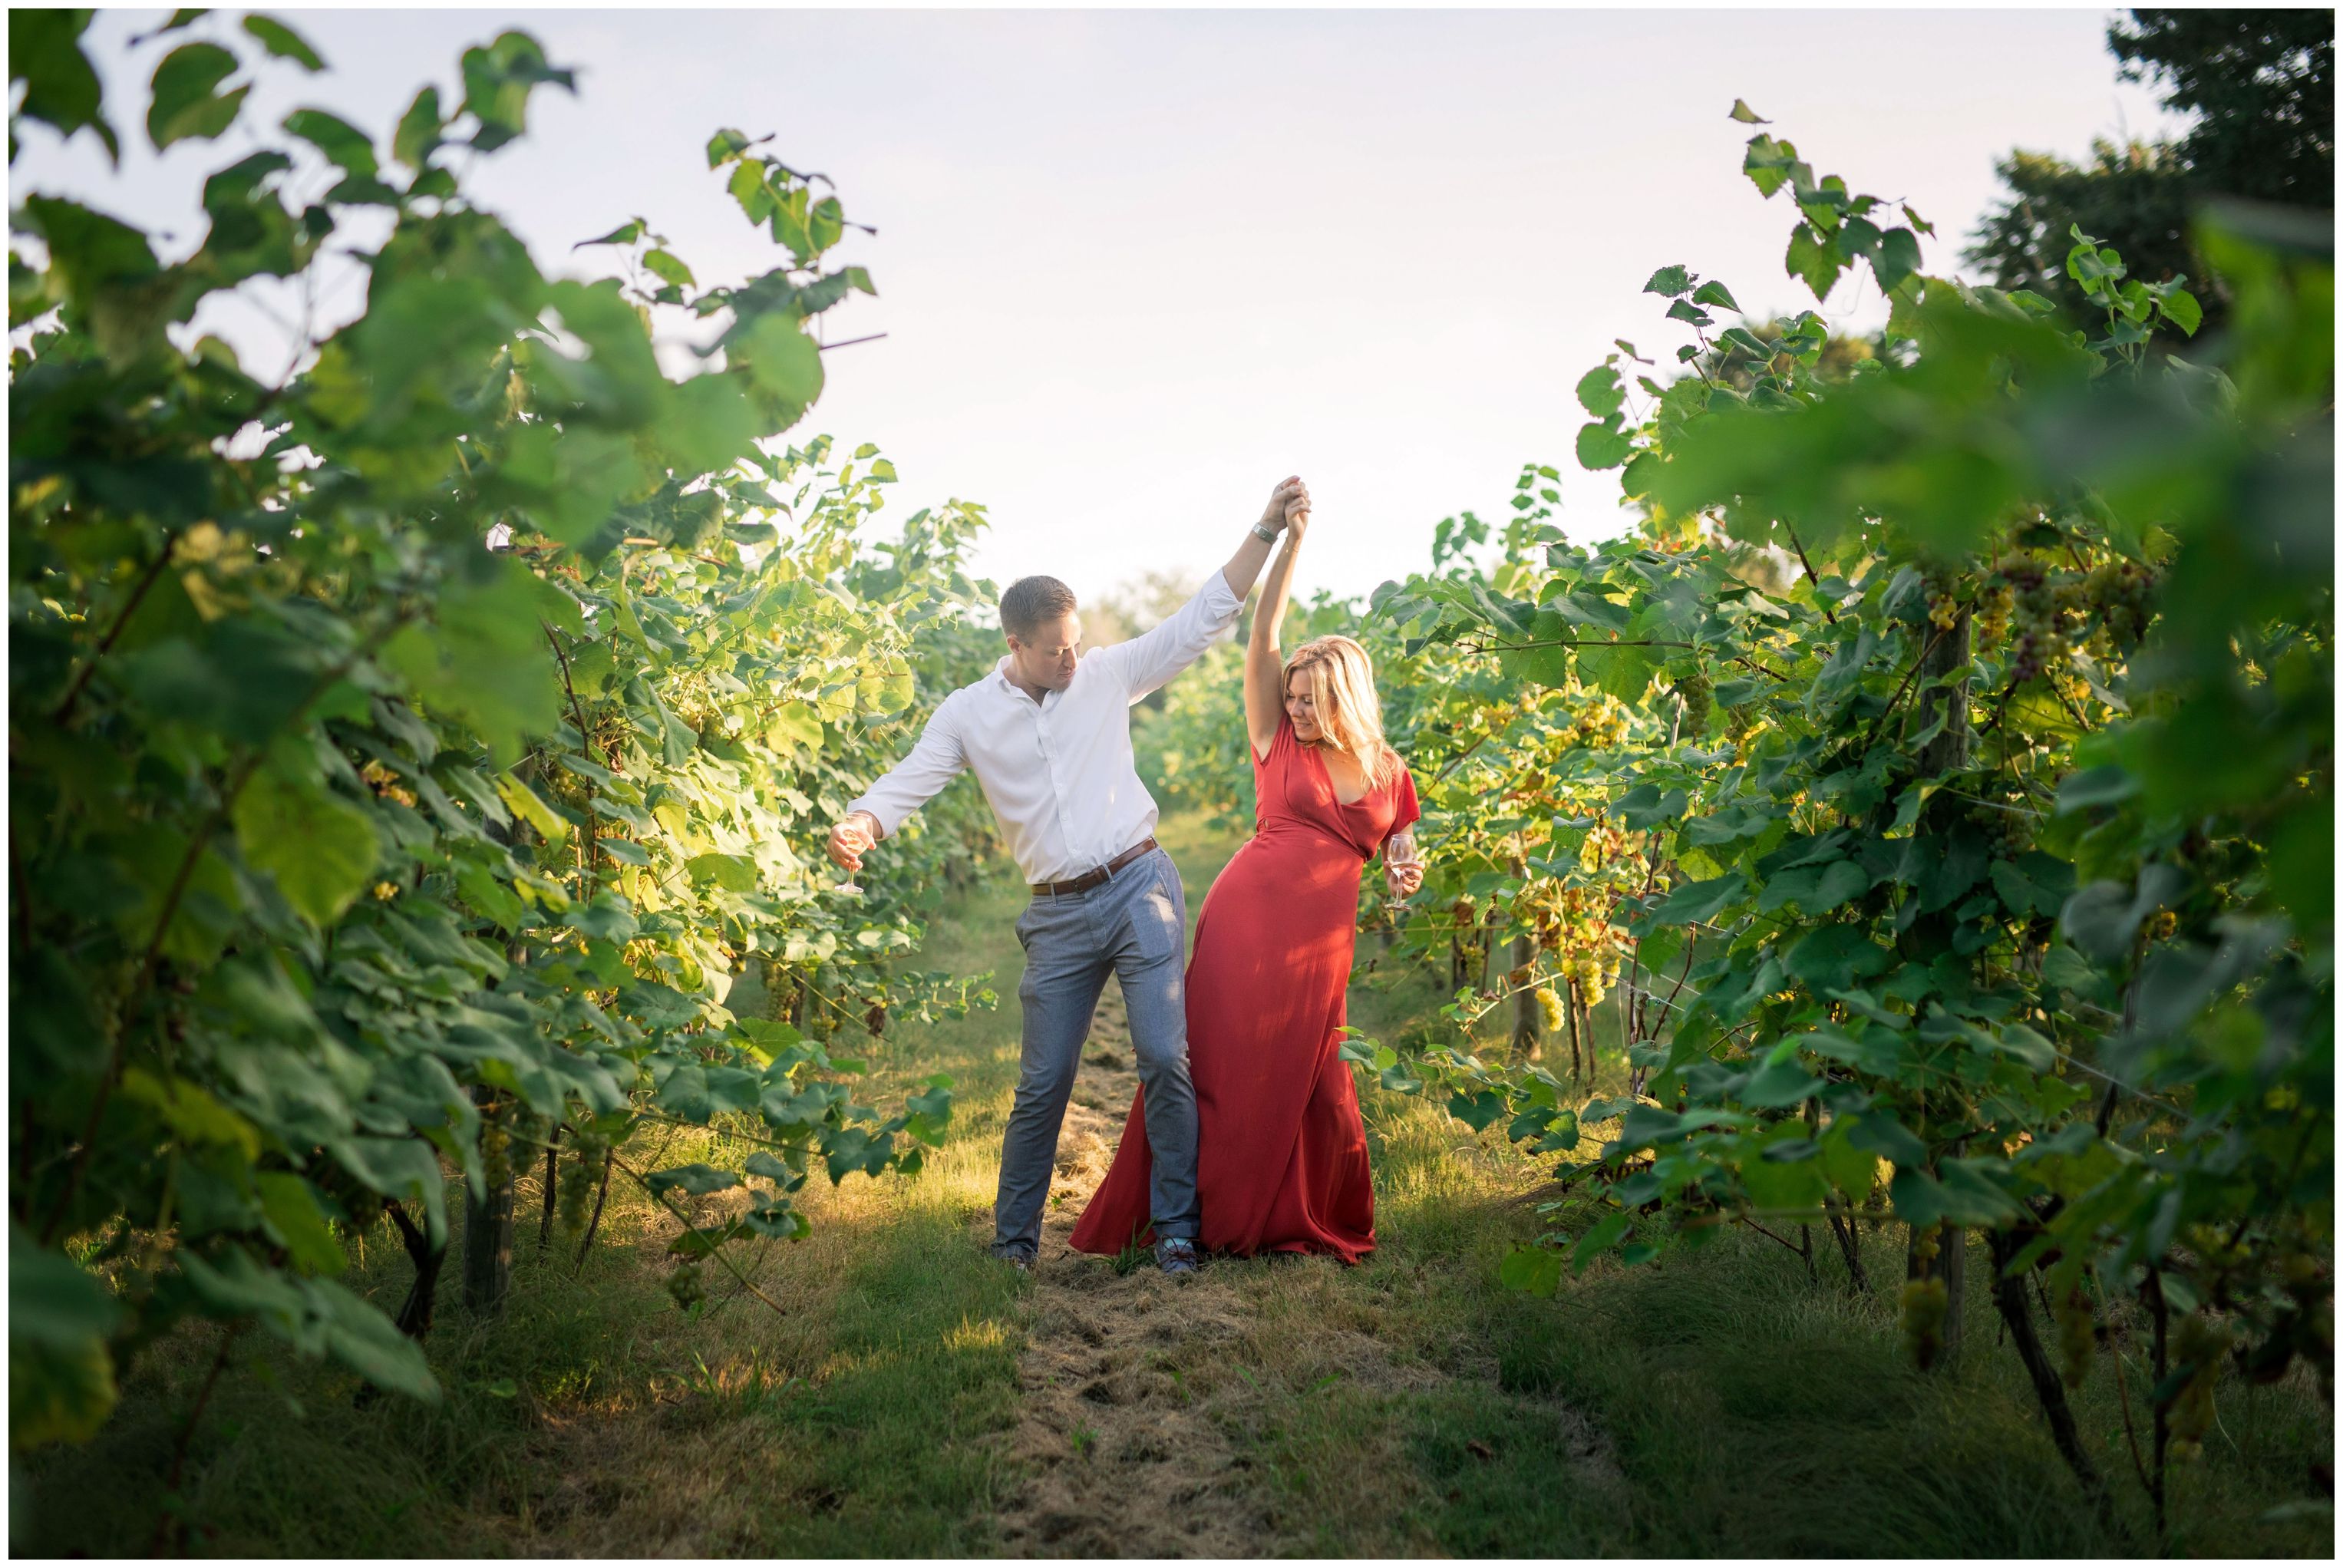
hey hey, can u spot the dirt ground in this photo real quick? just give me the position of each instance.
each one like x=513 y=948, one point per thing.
x=1128 y=1461
x=1135 y=1382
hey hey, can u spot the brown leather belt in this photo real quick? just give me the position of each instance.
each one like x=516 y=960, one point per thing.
x=1088 y=880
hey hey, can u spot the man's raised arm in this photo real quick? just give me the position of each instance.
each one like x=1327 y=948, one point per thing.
x=1154 y=656
x=910 y=784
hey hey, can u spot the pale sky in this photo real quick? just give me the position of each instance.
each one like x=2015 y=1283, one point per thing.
x=1136 y=267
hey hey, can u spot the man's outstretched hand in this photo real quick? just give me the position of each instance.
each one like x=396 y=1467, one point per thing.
x=852 y=838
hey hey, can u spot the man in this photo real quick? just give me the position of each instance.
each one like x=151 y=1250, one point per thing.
x=1048 y=735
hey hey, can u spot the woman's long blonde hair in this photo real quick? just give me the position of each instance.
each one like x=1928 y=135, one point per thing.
x=1342 y=695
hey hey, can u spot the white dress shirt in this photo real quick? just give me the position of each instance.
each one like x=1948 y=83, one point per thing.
x=1057 y=772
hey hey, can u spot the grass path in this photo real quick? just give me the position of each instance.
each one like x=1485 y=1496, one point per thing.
x=916 y=1398
x=1123 y=1457
x=1146 y=1398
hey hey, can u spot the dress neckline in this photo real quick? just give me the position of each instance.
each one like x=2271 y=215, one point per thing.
x=1332 y=790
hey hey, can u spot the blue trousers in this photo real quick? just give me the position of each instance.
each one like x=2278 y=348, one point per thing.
x=1135 y=926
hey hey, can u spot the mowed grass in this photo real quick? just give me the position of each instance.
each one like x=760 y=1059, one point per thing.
x=1715 y=1401
x=1711 y=1403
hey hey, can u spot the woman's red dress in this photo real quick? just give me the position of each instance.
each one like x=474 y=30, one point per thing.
x=1282 y=1154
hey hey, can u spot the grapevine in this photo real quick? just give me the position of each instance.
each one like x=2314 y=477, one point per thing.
x=411 y=755
x=1885 y=809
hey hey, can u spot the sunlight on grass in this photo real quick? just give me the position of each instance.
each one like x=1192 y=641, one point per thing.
x=1711 y=1403
x=972 y=1335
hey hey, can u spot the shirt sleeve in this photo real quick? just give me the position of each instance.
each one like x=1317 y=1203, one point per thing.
x=1404 y=809
x=1154 y=656
x=918 y=779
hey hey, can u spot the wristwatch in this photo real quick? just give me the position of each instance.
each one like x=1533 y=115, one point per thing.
x=1266 y=533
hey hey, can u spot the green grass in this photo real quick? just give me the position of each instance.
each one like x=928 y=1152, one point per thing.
x=1737 y=1408
x=595 y=1417
x=1712 y=1403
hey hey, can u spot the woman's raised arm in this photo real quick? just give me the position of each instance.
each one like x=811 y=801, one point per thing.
x=1264 y=671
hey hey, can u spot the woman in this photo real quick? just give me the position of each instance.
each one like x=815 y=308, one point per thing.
x=1281 y=1158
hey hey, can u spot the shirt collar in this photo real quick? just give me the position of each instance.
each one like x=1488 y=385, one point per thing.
x=1010 y=688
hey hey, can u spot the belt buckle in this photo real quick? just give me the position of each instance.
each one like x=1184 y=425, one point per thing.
x=1095 y=877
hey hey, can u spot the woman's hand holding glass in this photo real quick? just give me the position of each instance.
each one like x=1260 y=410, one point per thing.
x=1403 y=866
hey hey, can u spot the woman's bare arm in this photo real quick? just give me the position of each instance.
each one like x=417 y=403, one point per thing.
x=1264 y=671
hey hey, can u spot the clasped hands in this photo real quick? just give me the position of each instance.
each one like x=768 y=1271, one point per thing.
x=1289 y=508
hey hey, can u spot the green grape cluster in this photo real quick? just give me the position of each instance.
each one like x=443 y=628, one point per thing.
x=1575 y=923
x=1606 y=843
x=1550 y=1008
x=496 y=1152
x=1924 y=1301
x=1698 y=692
x=1921 y=1317
x=2202 y=1346
x=2010 y=832
x=1592 y=975
x=1600 y=723
x=1993 y=608
x=684 y=1284
x=2112 y=603
x=589 y=1154
x=2120 y=596
x=2078 y=1336
x=2039 y=617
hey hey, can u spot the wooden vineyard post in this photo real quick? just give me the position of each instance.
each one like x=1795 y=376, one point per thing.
x=488 y=1240
x=1525 y=1004
x=1946 y=752
x=1939 y=1253
x=1952 y=1261
x=488 y=1249
x=1949 y=749
x=552 y=1175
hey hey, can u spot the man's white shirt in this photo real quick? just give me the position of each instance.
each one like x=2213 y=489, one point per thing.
x=1059 y=773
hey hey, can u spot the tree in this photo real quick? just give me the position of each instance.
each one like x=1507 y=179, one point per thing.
x=2134 y=197
x=2261 y=83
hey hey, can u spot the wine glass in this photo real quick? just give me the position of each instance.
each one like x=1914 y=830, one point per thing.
x=850 y=886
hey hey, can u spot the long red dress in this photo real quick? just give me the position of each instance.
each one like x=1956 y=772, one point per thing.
x=1282 y=1154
